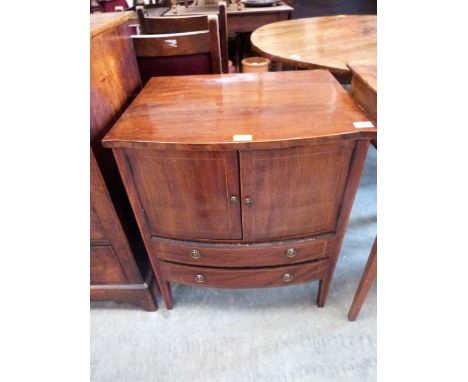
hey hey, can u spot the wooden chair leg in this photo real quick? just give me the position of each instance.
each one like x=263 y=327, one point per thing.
x=367 y=279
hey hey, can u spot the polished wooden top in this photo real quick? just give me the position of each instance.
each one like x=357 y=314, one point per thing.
x=100 y=22
x=366 y=72
x=210 y=112
x=319 y=42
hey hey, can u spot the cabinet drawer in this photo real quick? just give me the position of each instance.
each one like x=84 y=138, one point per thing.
x=105 y=268
x=242 y=255
x=244 y=278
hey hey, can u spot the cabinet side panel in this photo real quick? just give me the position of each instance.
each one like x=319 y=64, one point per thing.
x=114 y=82
x=114 y=77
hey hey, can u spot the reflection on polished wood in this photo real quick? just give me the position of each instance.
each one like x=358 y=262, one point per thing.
x=319 y=42
x=277 y=109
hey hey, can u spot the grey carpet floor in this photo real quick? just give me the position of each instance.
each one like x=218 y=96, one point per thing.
x=275 y=334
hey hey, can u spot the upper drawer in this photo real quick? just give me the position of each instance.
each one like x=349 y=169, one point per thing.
x=242 y=255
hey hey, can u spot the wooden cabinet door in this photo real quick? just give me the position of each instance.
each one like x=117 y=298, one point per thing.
x=186 y=194
x=293 y=192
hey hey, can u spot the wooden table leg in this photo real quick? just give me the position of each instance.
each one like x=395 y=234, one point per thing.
x=367 y=278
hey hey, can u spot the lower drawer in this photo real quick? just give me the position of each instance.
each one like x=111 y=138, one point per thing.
x=244 y=278
x=243 y=255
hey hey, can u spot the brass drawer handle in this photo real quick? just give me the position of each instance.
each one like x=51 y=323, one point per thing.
x=200 y=279
x=291 y=252
x=234 y=199
x=287 y=277
x=195 y=254
x=248 y=202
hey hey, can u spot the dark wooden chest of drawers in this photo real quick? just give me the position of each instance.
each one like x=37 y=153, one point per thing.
x=118 y=261
x=242 y=181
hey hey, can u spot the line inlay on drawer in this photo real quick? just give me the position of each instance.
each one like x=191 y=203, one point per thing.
x=242 y=255
x=244 y=278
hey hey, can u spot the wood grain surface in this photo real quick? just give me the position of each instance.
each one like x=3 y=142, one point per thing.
x=205 y=112
x=293 y=192
x=170 y=145
x=366 y=71
x=118 y=262
x=320 y=42
x=364 y=86
x=187 y=194
x=244 y=278
x=243 y=255
x=100 y=22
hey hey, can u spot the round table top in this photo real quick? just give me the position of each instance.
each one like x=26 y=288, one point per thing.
x=319 y=42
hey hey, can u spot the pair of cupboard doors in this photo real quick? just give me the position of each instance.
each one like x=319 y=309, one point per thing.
x=241 y=196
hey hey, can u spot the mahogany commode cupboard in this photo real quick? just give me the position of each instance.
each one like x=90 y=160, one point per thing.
x=243 y=180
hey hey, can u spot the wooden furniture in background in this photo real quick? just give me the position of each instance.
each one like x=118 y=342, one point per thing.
x=95 y=6
x=108 y=5
x=180 y=53
x=367 y=279
x=319 y=42
x=364 y=91
x=119 y=265
x=240 y=22
x=246 y=20
x=181 y=24
x=242 y=180
x=364 y=88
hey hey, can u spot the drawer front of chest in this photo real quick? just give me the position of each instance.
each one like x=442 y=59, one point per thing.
x=242 y=255
x=244 y=278
x=105 y=267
